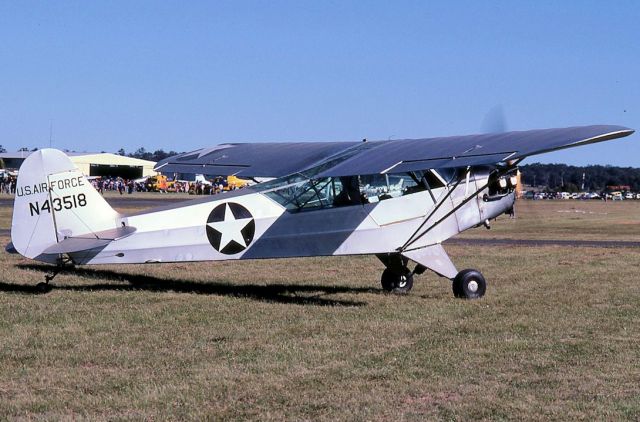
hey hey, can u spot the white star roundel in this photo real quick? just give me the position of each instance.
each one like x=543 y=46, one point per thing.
x=230 y=228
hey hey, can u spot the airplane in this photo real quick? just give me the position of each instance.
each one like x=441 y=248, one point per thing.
x=395 y=199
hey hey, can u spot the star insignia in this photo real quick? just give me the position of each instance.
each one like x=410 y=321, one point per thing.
x=230 y=228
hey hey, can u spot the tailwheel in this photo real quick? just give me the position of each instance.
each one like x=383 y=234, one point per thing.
x=395 y=282
x=469 y=284
x=44 y=287
x=61 y=264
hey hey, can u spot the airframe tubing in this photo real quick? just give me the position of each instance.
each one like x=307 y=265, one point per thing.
x=437 y=207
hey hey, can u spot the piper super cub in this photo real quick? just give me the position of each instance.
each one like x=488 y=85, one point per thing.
x=398 y=200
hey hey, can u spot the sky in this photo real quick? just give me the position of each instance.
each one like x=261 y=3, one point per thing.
x=176 y=75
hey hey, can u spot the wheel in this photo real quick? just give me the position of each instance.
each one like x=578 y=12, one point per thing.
x=397 y=283
x=469 y=284
x=456 y=287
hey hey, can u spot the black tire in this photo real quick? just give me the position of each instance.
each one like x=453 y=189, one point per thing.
x=43 y=288
x=469 y=284
x=456 y=287
x=397 y=283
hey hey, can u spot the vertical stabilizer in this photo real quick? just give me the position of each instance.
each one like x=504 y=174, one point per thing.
x=54 y=200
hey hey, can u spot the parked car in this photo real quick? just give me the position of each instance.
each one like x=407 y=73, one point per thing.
x=616 y=196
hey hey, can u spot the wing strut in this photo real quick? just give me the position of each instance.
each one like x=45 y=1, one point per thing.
x=413 y=238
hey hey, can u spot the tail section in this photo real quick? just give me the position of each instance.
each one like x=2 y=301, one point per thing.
x=55 y=201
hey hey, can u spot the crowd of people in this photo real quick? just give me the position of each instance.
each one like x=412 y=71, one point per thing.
x=113 y=184
x=218 y=186
x=122 y=185
x=8 y=183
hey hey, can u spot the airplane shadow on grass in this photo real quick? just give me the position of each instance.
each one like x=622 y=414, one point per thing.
x=277 y=293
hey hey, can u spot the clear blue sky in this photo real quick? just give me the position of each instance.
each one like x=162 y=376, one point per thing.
x=186 y=74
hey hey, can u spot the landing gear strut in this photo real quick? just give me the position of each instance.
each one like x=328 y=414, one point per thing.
x=397 y=277
x=469 y=284
x=45 y=287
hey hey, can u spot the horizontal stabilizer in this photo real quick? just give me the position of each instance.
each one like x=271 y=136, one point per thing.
x=10 y=248
x=89 y=241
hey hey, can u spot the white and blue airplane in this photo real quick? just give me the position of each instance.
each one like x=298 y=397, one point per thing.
x=398 y=200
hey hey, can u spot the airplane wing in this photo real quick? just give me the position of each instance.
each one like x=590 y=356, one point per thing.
x=268 y=159
x=280 y=159
x=472 y=150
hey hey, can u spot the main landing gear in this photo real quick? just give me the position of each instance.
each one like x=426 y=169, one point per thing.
x=398 y=278
x=395 y=282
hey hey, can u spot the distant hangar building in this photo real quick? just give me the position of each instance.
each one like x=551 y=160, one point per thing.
x=107 y=164
x=93 y=164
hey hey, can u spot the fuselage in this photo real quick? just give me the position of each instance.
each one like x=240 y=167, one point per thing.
x=259 y=223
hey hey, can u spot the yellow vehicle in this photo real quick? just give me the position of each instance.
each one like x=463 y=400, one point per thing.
x=234 y=182
x=158 y=183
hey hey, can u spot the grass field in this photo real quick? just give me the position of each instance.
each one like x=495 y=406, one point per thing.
x=556 y=336
x=568 y=219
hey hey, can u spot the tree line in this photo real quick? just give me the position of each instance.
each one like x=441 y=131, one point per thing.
x=143 y=154
x=561 y=177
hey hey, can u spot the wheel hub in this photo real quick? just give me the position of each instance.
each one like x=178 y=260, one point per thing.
x=472 y=286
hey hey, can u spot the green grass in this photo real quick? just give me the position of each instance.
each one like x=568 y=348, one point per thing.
x=556 y=337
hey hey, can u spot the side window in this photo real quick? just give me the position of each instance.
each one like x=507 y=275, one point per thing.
x=432 y=180
x=299 y=193
x=446 y=174
x=378 y=187
x=374 y=187
x=347 y=191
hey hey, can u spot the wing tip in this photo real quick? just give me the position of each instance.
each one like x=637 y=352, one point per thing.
x=628 y=131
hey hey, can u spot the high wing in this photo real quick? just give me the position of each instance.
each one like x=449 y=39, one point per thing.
x=460 y=151
x=279 y=159
x=268 y=159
